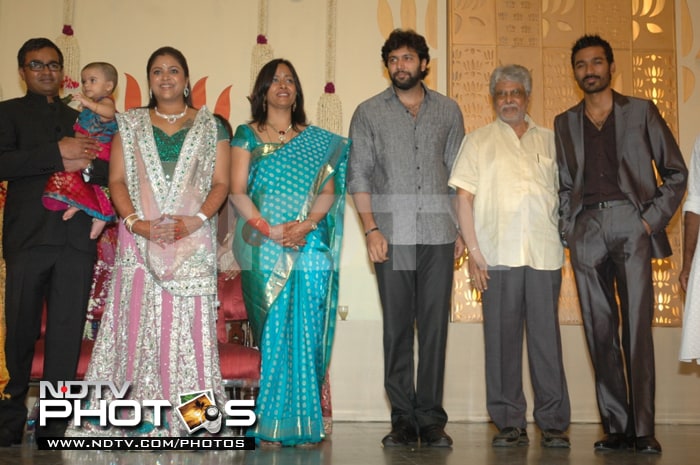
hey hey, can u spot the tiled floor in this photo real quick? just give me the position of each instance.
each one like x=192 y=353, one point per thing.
x=358 y=444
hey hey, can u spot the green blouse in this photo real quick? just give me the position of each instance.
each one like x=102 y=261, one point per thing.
x=169 y=146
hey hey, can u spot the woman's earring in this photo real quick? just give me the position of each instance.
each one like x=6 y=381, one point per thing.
x=264 y=104
x=150 y=93
x=186 y=92
x=294 y=106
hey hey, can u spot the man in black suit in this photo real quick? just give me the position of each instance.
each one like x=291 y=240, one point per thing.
x=48 y=259
x=613 y=212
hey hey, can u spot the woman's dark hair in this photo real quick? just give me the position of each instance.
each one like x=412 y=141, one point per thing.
x=182 y=61
x=592 y=41
x=226 y=124
x=258 y=97
x=36 y=44
x=407 y=38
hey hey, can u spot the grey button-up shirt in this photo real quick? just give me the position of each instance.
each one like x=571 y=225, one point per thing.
x=405 y=163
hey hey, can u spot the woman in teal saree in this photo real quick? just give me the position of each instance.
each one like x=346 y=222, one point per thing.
x=288 y=186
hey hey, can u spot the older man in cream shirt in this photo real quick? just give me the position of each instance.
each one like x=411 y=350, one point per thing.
x=507 y=182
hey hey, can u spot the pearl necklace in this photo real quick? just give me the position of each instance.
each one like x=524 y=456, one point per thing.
x=282 y=135
x=171 y=118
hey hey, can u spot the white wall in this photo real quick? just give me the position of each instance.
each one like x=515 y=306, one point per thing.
x=217 y=36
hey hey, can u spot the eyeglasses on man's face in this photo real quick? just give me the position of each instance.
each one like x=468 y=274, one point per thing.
x=512 y=93
x=36 y=65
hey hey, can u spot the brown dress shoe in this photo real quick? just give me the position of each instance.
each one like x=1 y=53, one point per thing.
x=555 y=439
x=510 y=436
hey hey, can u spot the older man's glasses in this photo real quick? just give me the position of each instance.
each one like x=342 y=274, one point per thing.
x=513 y=93
x=35 y=65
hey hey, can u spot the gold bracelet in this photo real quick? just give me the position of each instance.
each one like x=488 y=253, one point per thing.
x=128 y=217
x=314 y=225
x=129 y=222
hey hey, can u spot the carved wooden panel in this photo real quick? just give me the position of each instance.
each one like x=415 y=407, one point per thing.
x=470 y=68
x=518 y=23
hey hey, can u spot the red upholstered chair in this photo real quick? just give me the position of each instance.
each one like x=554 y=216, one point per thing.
x=240 y=362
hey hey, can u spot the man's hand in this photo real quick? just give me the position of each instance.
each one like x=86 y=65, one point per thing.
x=77 y=152
x=459 y=247
x=478 y=270
x=377 y=247
x=683 y=278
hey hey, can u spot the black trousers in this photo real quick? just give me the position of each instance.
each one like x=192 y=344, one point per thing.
x=610 y=250
x=62 y=276
x=415 y=288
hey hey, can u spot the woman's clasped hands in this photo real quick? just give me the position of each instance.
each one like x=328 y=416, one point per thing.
x=291 y=234
x=168 y=229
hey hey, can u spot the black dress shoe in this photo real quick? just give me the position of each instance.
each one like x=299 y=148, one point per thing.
x=647 y=445
x=402 y=434
x=612 y=441
x=9 y=438
x=435 y=436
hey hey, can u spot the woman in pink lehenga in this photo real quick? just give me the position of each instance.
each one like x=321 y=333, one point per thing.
x=168 y=177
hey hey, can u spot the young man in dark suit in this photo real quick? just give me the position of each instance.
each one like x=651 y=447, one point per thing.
x=612 y=217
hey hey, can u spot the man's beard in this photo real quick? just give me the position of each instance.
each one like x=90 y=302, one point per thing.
x=406 y=84
x=598 y=86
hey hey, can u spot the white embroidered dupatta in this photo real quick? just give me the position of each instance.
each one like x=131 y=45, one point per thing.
x=187 y=267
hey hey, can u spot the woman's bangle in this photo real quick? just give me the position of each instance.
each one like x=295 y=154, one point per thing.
x=128 y=218
x=314 y=225
x=129 y=222
x=131 y=225
x=260 y=224
x=371 y=230
x=202 y=217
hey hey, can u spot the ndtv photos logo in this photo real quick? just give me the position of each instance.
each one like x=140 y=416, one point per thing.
x=197 y=410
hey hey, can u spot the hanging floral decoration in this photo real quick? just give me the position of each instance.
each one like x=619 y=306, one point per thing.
x=330 y=108
x=70 y=48
x=262 y=52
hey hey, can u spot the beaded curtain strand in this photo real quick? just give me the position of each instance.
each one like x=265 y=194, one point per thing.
x=330 y=111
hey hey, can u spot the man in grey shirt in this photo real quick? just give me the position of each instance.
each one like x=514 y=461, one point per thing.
x=405 y=140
